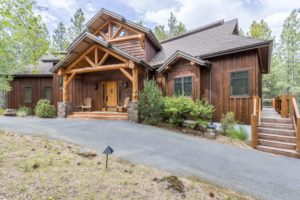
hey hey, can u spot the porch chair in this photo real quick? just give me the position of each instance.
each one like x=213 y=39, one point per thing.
x=123 y=108
x=87 y=104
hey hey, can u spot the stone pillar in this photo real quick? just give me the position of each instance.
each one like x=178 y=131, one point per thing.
x=63 y=109
x=132 y=111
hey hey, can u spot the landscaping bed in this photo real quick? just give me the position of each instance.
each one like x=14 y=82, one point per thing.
x=38 y=168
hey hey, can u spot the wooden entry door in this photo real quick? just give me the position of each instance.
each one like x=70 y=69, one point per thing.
x=111 y=93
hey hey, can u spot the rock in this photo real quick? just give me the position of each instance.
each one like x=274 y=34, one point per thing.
x=87 y=153
x=173 y=183
x=210 y=134
x=189 y=123
x=10 y=112
x=35 y=165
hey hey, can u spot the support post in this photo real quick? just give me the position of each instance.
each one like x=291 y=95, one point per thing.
x=134 y=81
x=284 y=106
x=298 y=136
x=65 y=89
x=254 y=134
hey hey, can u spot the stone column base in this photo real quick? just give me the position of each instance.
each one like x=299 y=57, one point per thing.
x=132 y=111
x=63 y=109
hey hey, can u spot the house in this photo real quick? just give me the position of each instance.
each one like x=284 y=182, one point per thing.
x=110 y=60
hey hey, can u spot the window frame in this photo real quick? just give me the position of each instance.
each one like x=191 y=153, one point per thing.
x=50 y=93
x=24 y=91
x=182 y=85
x=230 y=83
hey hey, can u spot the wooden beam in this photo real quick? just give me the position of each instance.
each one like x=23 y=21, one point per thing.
x=125 y=26
x=65 y=89
x=89 y=61
x=109 y=30
x=142 y=40
x=117 y=32
x=103 y=35
x=81 y=57
x=131 y=37
x=98 y=68
x=60 y=72
x=135 y=82
x=101 y=27
x=96 y=55
x=70 y=79
x=103 y=59
x=126 y=74
x=113 y=54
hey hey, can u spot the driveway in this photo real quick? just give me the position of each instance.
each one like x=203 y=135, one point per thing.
x=259 y=174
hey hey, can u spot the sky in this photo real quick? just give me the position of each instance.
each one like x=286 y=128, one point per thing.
x=193 y=13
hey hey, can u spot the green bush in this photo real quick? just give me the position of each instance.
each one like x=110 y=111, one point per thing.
x=151 y=102
x=178 y=109
x=240 y=134
x=2 y=111
x=23 y=111
x=228 y=122
x=44 y=109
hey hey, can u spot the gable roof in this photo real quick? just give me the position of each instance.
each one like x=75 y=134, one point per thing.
x=179 y=54
x=104 y=15
x=208 y=41
x=83 y=42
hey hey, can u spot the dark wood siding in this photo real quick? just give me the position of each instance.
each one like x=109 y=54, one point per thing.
x=132 y=47
x=37 y=84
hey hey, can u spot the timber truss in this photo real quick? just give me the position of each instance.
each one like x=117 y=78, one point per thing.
x=114 y=31
x=96 y=59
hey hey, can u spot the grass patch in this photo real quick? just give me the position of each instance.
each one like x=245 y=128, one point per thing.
x=239 y=134
x=39 y=168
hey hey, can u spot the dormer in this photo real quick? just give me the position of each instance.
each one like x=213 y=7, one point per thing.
x=124 y=34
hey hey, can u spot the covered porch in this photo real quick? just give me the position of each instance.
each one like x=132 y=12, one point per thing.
x=98 y=71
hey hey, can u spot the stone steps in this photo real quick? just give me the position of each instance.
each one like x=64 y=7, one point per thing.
x=279 y=151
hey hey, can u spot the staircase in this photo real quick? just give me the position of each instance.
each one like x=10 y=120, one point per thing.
x=275 y=134
x=99 y=115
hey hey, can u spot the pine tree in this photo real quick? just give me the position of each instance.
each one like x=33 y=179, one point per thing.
x=290 y=51
x=260 y=30
x=59 y=38
x=77 y=25
x=160 y=32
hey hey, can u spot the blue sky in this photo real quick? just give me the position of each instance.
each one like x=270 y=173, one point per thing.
x=193 y=13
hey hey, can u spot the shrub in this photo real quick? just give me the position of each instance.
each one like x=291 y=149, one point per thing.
x=23 y=111
x=44 y=109
x=151 y=102
x=240 y=134
x=228 y=122
x=178 y=109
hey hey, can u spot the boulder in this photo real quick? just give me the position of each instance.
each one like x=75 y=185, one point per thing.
x=10 y=112
x=210 y=133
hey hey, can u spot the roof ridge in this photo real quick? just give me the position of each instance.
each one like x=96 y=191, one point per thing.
x=196 y=30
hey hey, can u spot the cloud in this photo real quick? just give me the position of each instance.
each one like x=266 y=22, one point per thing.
x=194 y=13
x=89 y=7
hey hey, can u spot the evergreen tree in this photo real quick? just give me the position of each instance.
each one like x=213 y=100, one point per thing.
x=59 y=38
x=290 y=51
x=77 y=25
x=260 y=30
x=174 y=28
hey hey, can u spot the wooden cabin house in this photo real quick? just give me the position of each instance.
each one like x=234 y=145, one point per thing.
x=110 y=60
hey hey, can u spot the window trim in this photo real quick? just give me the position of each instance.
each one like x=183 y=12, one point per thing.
x=27 y=86
x=249 y=86
x=182 y=82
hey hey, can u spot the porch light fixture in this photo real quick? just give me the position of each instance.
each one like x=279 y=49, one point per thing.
x=107 y=151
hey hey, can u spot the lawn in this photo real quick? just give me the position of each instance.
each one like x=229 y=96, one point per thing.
x=38 y=168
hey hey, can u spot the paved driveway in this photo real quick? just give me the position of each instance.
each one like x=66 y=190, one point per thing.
x=252 y=172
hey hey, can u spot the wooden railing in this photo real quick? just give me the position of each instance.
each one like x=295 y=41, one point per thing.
x=255 y=120
x=286 y=106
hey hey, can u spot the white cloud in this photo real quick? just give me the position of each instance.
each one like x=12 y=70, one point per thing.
x=194 y=13
x=46 y=17
x=89 y=7
x=66 y=5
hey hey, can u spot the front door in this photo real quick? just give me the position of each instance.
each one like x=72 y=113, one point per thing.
x=111 y=93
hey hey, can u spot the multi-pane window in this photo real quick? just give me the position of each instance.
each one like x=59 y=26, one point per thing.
x=48 y=93
x=239 y=83
x=183 y=86
x=27 y=94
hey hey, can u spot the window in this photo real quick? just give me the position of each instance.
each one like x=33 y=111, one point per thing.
x=27 y=94
x=48 y=93
x=183 y=86
x=239 y=83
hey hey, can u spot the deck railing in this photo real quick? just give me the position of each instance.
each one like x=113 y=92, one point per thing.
x=255 y=119
x=286 y=106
